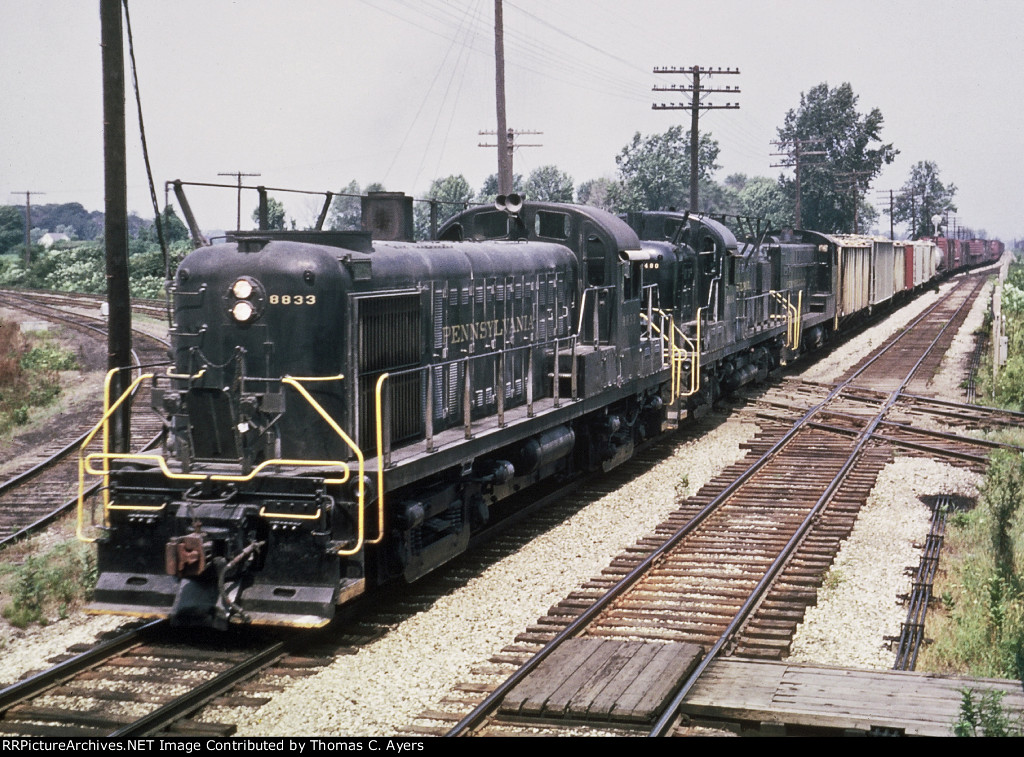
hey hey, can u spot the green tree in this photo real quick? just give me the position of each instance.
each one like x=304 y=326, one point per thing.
x=922 y=196
x=596 y=192
x=347 y=212
x=451 y=194
x=762 y=197
x=655 y=170
x=275 y=214
x=489 y=191
x=12 y=228
x=833 y=185
x=717 y=198
x=175 y=229
x=548 y=184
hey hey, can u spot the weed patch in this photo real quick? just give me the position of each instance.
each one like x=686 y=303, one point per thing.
x=29 y=373
x=49 y=585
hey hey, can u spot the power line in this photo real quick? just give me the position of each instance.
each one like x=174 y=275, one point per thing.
x=510 y=145
x=795 y=154
x=239 y=174
x=695 y=106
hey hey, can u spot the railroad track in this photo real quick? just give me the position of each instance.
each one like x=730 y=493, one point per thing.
x=147 y=681
x=801 y=580
x=732 y=572
x=90 y=302
x=46 y=487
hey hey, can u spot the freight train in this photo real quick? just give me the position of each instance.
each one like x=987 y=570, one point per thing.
x=342 y=411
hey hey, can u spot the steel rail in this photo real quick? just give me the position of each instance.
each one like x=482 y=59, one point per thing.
x=55 y=459
x=667 y=720
x=33 y=686
x=484 y=708
x=912 y=629
x=964 y=406
x=164 y=716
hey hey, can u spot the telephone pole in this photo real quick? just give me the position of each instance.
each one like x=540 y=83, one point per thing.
x=239 y=174
x=892 y=209
x=28 y=223
x=510 y=146
x=795 y=154
x=504 y=150
x=852 y=180
x=115 y=222
x=695 y=106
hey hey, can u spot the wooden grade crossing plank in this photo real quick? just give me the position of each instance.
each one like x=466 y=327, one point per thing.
x=603 y=679
x=781 y=694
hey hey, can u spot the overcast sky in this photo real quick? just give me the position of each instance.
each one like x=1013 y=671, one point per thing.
x=312 y=94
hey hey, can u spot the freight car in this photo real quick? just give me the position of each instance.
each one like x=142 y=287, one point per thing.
x=344 y=411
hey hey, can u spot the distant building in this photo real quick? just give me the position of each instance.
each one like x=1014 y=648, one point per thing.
x=51 y=238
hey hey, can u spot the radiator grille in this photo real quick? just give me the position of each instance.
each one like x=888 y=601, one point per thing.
x=390 y=339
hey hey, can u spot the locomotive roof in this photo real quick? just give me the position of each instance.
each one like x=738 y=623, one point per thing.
x=618 y=230
x=655 y=225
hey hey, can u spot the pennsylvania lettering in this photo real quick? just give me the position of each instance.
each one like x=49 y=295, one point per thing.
x=458 y=333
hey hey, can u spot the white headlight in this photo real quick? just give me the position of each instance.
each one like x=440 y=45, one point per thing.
x=242 y=311
x=241 y=289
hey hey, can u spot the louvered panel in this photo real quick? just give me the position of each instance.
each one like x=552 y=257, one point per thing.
x=389 y=341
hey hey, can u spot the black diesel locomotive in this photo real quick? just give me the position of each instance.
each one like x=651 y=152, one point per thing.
x=343 y=411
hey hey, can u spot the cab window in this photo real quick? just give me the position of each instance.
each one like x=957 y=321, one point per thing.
x=551 y=225
x=490 y=225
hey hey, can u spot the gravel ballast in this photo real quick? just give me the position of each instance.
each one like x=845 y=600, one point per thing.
x=381 y=688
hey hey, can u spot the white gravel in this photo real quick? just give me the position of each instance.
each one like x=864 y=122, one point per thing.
x=22 y=651
x=858 y=606
x=386 y=684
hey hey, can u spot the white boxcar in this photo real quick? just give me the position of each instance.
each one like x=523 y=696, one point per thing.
x=882 y=259
x=854 y=258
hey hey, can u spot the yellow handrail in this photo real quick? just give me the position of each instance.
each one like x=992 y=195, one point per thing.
x=792 y=318
x=86 y=463
x=184 y=376
x=679 y=355
x=104 y=423
x=235 y=479
x=294 y=383
x=380 y=460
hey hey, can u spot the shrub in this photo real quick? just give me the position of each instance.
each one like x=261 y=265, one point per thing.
x=985 y=716
x=28 y=373
x=51 y=584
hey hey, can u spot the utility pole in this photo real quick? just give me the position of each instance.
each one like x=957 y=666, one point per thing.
x=852 y=179
x=504 y=149
x=796 y=153
x=28 y=223
x=892 y=206
x=510 y=146
x=115 y=225
x=239 y=174
x=695 y=106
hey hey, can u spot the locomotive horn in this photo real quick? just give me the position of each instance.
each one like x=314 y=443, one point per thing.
x=513 y=203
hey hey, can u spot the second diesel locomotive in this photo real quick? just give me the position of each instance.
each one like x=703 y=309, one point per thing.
x=342 y=411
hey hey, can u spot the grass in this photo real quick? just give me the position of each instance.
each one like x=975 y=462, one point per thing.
x=46 y=577
x=979 y=629
x=30 y=366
